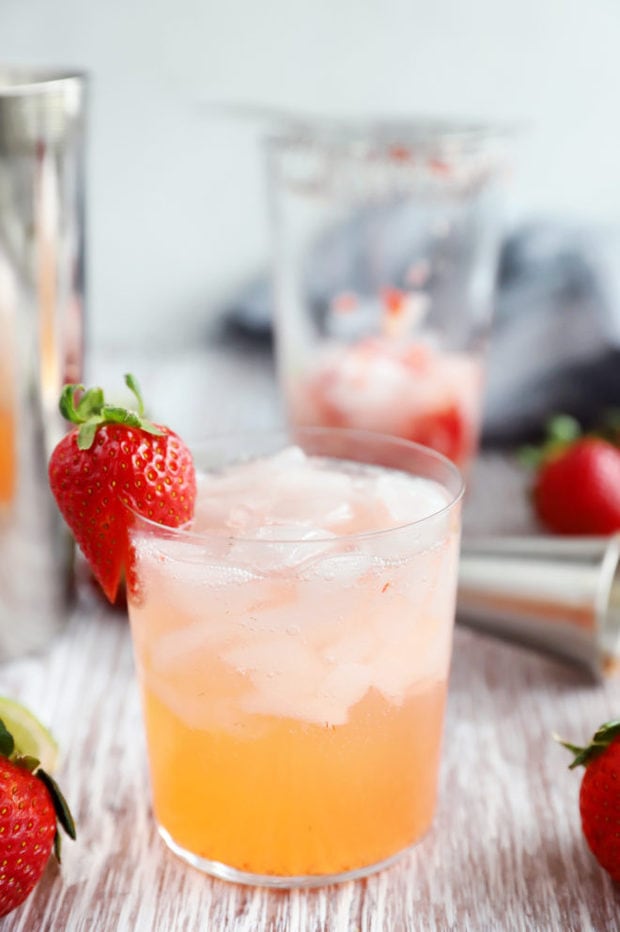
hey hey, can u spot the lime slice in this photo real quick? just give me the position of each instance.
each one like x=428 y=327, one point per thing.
x=30 y=736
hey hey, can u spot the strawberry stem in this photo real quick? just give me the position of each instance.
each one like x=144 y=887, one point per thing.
x=132 y=384
x=91 y=411
x=561 y=431
x=600 y=740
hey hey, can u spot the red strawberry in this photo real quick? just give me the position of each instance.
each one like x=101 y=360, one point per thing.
x=114 y=461
x=446 y=431
x=577 y=491
x=599 y=796
x=30 y=803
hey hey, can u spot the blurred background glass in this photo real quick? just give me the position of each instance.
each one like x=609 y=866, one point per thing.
x=386 y=244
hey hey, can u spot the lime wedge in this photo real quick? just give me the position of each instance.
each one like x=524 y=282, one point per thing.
x=30 y=736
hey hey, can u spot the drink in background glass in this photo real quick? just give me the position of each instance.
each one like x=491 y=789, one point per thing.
x=386 y=244
x=292 y=648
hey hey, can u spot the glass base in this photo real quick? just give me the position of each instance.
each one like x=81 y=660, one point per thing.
x=231 y=874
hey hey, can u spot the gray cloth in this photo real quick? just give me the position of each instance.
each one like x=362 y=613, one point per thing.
x=556 y=340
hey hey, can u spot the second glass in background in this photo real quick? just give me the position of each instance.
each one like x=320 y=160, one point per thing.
x=386 y=246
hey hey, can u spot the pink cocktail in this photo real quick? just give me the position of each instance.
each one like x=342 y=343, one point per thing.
x=293 y=648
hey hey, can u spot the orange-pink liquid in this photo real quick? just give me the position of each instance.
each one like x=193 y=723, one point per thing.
x=292 y=798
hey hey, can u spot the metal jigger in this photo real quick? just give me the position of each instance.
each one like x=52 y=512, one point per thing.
x=558 y=594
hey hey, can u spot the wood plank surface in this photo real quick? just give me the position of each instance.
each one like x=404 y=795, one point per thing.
x=505 y=851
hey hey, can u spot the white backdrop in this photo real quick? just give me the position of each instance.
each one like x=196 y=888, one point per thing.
x=177 y=209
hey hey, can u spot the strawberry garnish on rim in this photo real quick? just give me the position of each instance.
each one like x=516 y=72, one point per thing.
x=113 y=463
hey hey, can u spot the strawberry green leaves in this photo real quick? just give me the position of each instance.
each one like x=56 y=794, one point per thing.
x=61 y=808
x=91 y=411
x=599 y=743
x=562 y=431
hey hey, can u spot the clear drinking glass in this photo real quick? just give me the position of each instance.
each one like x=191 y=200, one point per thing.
x=293 y=677
x=386 y=246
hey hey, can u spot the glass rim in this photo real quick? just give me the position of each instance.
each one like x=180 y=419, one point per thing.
x=18 y=80
x=391 y=137
x=187 y=534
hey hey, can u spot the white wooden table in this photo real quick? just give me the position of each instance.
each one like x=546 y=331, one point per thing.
x=505 y=852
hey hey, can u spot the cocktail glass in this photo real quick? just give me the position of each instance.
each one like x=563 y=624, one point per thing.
x=293 y=676
x=386 y=246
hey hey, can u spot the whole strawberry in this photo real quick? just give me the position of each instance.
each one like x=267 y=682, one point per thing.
x=578 y=491
x=30 y=805
x=599 y=796
x=577 y=484
x=114 y=463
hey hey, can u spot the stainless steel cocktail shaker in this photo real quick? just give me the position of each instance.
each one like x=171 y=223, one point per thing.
x=555 y=593
x=42 y=129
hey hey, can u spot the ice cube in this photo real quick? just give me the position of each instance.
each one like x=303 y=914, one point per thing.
x=356 y=643
x=176 y=549
x=312 y=496
x=365 y=385
x=393 y=637
x=276 y=611
x=284 y=673
x=174 y=650
x=280 y=548
x=410 y=544
x=286 y=459
x=184 y=582
x=420 y=656
x=442 y=575
x=285 y=489
x=290 y=680
x=203 y=714
x=345 y=568
x=409 y=498
x=344 y=686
